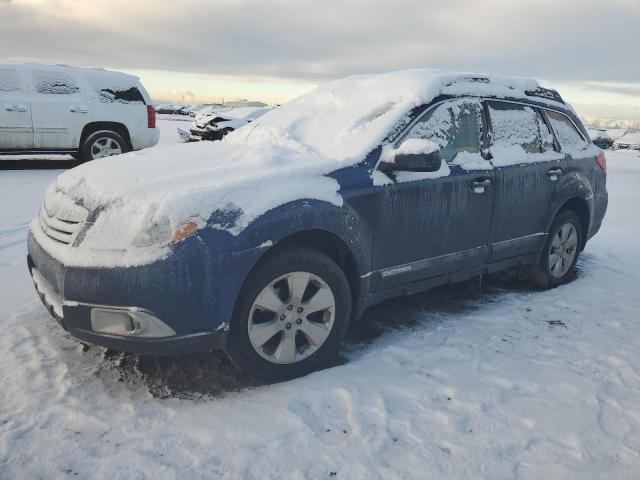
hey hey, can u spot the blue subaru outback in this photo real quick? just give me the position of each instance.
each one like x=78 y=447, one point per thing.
x=269 y=243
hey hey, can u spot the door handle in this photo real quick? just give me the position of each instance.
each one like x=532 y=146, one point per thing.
x=15 y=108
x=78 y=110
x=554 y=173
x=479 y=185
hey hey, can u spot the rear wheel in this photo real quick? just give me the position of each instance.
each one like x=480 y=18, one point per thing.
x=103 y=143
x=291 y=315
x=561 y=251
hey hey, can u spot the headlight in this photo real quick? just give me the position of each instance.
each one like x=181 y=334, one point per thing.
x=157 y=234
x=160 y=233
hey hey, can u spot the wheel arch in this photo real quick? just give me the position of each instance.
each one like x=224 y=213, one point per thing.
x=580 y=206
x=93 y=127
x=328 y=243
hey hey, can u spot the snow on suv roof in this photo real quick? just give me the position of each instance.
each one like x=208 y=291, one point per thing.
x=93 y=72
x=347 y=118
x=98 y=78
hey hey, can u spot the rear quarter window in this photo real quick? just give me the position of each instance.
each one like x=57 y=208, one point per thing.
x=112 y=88
x=9 y=81
x=54 y=83
x=519 y=126
x=566 y=133
x=115 y=95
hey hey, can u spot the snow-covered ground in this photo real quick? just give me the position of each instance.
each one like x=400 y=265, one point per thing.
x=496 y=381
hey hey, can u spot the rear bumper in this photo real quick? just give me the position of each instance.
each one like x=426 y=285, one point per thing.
x=144 y=138
x=600 y=203
x=91 y=290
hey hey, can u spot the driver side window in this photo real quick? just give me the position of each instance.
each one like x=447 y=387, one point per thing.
x=455 y=126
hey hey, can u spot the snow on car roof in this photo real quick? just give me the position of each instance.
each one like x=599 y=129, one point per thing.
x=97 y=78
x=596 y=133
x=345 y=119
x=243 y=113
x=631 y=138
x=94 y=73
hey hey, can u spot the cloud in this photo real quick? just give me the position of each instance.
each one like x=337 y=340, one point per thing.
x=622 y=89
x=568 y=40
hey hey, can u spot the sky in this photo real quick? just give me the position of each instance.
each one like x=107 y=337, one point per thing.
x=275 y=50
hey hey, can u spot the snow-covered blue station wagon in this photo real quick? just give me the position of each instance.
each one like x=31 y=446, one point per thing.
x=269 y=243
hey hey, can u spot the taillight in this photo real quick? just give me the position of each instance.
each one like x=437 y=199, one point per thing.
x=151 y=117
x=602 y=161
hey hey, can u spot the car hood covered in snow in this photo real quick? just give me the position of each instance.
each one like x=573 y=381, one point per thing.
x=138 y=191
x=281 y=157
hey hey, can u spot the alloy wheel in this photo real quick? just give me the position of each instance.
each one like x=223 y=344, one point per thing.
x=291 y=317
x=562 y=252
x=105 y=147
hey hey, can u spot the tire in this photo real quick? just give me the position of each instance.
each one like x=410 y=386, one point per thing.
x=555 y=268
x=270 y=359
x=96 y=145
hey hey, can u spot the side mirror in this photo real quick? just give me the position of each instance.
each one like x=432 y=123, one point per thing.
x=414 y=155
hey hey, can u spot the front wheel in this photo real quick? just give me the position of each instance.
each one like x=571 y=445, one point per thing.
x=103 y=143
x=291 y=315
x=560 y=253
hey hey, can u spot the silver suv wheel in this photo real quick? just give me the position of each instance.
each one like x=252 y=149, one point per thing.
x=291 y=317
x=105 y=147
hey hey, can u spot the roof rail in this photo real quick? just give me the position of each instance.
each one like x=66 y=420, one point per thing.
x=478 y=79
x=545 y=93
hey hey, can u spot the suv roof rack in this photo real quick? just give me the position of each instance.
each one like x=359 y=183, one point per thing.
x=547 y=93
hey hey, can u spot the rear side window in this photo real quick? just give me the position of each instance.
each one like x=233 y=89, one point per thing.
x=9 y=81
x=566 y=133
x=455 y=126
x=114 y=88
x=126 y=95
x=520 y=126
x=54 y=83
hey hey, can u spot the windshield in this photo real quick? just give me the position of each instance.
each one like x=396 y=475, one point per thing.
x=346 y=119
x=340 y=120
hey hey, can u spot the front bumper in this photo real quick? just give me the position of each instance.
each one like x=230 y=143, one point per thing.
x=71 y=295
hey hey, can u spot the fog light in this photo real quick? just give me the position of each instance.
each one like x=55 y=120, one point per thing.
x=128 y=323
x=111 y=321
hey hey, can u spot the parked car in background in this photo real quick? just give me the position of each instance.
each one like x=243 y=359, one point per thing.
x=214 y=123
x=167 y=109
x=268 y=244
x=191 y=110
x=88 y=113
x=600 y=137
x=629 y=141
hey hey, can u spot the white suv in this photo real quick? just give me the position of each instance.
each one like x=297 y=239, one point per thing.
x=88 y=113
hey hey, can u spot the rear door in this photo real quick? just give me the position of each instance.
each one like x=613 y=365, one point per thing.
x=59 y=109
x=16 y=129
x=528 y=166
x=432 y=224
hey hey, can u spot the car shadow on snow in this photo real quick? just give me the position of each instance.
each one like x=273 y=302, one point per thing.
x=38 y=164
x=206 y=375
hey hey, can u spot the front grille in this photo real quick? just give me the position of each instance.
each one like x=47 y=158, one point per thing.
x=61 y=219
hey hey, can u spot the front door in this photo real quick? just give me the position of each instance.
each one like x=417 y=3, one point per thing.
x=60 y=111
x=429 y=225
x=16 y=129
